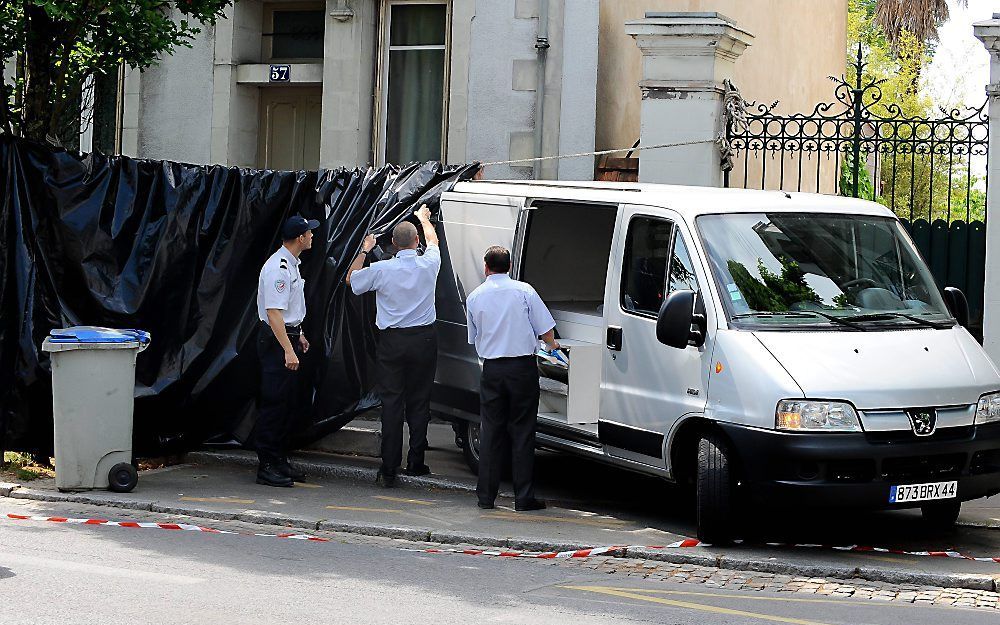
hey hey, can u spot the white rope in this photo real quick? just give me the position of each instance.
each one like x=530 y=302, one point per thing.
x=600 y=152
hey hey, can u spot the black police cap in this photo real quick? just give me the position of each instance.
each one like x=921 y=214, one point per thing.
x=297 y=226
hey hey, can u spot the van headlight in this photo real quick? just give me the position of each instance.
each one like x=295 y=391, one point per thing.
x=988 y=410
x=796 y=415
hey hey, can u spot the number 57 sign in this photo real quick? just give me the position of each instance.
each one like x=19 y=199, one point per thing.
x=280 y=73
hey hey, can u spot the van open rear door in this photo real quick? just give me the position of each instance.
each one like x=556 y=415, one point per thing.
x=469 y=224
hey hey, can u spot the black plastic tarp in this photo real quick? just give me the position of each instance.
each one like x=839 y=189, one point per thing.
x=176 y=250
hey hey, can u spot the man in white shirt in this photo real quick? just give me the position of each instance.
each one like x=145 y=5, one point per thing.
x=506 y=318
x=281 y=308
x=407 y=348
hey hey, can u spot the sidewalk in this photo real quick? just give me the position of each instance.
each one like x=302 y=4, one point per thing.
x=590 y=506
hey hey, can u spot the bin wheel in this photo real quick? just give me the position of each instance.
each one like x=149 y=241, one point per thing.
x=122 y=478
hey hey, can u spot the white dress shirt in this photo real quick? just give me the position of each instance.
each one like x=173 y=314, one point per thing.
x=404 y=288
x=281 y=287
x=506 y=317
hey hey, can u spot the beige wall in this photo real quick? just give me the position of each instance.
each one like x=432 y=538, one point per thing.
x=798 y=44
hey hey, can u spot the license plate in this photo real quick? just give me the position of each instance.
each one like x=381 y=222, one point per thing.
x=923 y=492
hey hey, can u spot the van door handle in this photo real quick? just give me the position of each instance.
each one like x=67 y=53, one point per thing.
x=614 y=341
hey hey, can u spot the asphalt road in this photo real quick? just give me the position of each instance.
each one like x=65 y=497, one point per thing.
x=57 y=573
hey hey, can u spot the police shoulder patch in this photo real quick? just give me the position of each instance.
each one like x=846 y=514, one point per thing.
x=280 y=285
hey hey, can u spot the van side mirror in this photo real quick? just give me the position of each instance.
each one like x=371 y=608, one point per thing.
x=679 y=312
x=958 y=305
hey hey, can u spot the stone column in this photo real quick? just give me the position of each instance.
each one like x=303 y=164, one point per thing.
x=989 y=33
x=685 y=58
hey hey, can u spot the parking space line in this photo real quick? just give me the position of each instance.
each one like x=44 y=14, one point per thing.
x=520 y=516
x=617 y=592
x=363 y=509
x=740 y=597
x=218 y=500
x=306 y=485
x=418 y=502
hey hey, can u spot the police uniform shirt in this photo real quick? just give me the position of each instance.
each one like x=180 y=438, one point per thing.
x=404 y=286
x=281 y=287
x=506 y=317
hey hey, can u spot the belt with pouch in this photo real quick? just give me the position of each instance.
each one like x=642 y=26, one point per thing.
x=289 y=330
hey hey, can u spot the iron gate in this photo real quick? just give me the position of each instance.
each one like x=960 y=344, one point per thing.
x=930 y=171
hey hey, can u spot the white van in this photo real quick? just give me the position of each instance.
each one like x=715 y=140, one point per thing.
x=765 y=347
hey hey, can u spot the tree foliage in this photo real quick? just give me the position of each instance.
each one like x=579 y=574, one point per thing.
x=59 y=44
x=916 y=184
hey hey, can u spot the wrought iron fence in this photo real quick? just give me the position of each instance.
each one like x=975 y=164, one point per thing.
x=930 y=171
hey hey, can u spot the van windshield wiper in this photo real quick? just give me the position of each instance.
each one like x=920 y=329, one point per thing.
x=805 y=314
x=885 y=316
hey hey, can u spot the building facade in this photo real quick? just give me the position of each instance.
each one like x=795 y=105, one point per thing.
x=302 y=84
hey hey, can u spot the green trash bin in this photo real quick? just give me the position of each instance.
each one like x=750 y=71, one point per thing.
x=93 y=386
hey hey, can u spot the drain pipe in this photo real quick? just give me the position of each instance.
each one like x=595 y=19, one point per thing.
x=542 y=46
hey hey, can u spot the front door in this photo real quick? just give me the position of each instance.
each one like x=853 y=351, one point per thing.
x=647 y=386
x=289 y=128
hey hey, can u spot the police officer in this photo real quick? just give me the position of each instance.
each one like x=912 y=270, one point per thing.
x=407 y=348
x=281 y=308
x=506 y=318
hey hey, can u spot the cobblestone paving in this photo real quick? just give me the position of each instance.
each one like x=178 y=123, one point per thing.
x=713 y=578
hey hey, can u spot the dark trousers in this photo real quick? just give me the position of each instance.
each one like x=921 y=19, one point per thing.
x=407 y=358
x=508 y=399
x=276 y=405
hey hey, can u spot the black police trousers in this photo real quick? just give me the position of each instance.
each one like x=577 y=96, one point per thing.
x=508 y=401
x=407 y=359
x=279 y=391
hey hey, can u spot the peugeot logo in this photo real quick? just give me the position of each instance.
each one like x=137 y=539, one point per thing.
x=923 y=420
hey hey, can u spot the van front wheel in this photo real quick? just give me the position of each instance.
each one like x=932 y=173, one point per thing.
x=941 y=515
x=715 y=491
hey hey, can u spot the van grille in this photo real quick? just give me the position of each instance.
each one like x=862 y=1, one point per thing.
x=907 y=436
x=917 y=468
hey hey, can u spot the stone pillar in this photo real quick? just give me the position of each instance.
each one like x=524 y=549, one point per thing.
x=685 y=58
x=989 y=33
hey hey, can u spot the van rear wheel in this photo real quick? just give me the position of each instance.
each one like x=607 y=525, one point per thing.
x=470 y=446
x=715 y=491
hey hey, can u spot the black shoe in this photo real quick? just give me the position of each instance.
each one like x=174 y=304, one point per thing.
x=385 y=480
x=270 y=475
x=295 y=474
x=531 y=504
x=485 y=506
x=417 y=470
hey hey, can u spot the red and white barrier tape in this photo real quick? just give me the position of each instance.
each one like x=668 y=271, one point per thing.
x=498 y=553
x=163 y=526
x=540 y=555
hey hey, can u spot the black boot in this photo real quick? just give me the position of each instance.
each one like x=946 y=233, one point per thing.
x=385 y=480
x=529 y=505
x=417 y=470
x=271 y=475
x=286 y=468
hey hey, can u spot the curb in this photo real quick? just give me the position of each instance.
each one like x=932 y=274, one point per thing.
x=331 y=469
x=874 y=574
x=351 y=440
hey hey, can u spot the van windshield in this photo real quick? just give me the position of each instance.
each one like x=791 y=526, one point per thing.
x=801 y=270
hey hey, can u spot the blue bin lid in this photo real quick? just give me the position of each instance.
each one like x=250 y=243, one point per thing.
x=88 y=334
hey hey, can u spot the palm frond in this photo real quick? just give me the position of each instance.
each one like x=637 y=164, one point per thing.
x=920 y=18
